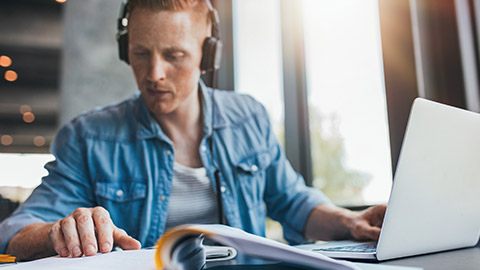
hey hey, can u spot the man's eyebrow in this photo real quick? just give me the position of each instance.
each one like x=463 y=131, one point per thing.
x=138 y=46
x=175 y=49
x=172 y=48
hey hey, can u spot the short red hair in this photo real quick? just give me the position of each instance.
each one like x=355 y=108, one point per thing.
x=200 y=6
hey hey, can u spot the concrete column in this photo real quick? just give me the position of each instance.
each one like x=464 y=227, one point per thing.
x=92 y=74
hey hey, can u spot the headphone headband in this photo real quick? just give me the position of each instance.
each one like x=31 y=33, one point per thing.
x=214 y=19
x=122 y=21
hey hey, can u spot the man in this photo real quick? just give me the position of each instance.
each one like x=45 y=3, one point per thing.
x=145 y=164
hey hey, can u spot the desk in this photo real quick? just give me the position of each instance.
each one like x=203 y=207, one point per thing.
x=464 y=259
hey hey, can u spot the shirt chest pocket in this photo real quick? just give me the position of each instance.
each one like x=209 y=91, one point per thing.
x=124 y=200
x=120 y=192
x=250 y=175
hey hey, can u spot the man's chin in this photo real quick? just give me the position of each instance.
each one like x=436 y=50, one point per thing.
x=160 y=108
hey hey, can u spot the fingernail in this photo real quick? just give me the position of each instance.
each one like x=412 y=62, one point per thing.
x=76 y=251
x=90 y=250
x=106 y=247
x=64 y=252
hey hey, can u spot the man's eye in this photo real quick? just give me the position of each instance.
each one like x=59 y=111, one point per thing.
x=140 y=53
x=174 y=56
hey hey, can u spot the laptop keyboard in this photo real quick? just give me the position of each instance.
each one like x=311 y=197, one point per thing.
x=361 y=247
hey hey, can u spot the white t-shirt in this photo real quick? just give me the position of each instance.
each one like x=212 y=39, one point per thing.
x=192 y=199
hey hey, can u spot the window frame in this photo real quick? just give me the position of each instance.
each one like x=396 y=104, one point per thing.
x=403 y=27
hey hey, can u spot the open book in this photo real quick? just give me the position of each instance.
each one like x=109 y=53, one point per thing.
x=182 y=243
x=181 y=248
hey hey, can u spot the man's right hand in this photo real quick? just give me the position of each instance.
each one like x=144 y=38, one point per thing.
x=87 y=231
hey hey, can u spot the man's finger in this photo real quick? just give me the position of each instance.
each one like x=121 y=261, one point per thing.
x=375 y=214
x=104 y=227
x=69 y=230
x=86 y=231
x=56 y=237
x=124 y=241
x=369 y=232
x=380 y=211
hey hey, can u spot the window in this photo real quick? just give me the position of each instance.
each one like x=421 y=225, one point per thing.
x=347 y=104
x=16 y=183
x=258 y=59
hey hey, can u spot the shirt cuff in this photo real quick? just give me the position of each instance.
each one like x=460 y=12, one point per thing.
x=294 y=231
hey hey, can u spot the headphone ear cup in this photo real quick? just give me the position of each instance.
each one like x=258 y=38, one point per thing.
x=122 y=40
x=211 y=54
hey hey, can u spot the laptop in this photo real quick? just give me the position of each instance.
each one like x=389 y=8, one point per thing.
x=435 y=199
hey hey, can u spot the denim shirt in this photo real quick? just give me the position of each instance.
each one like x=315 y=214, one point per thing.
x=119 y=158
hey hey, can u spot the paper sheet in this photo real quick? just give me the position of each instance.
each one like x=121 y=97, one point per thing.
x=130 y=259
x=118 y=260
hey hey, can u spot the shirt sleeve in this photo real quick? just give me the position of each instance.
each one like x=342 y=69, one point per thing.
x=64 y=189
x=287 y=198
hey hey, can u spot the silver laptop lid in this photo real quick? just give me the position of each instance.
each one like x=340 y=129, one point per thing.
x=435 y=200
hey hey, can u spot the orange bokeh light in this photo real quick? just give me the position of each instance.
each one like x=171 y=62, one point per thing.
x=6 y=140
x=25 y=108
x=11 y=75
x=28 y=117
x=5 y=61
x=39 y=141
x=61 y=1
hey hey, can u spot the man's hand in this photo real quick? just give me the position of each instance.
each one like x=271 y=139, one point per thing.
x=366 y=226
x=87 y=231
x=330 y=222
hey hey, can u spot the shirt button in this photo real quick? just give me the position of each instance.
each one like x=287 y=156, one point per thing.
x=254 y=168
x=162 y=198
x=167 y=152
x=119 y=193
x=223 y=189
x=203 y=148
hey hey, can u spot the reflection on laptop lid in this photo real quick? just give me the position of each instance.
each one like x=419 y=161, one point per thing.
x=434 y=201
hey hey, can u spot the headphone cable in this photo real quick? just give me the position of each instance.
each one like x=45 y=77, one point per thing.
x=217 y=171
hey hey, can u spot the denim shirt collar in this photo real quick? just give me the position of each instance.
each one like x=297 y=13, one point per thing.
x=148 y=127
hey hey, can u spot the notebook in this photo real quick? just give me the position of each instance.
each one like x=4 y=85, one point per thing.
x=435 y=199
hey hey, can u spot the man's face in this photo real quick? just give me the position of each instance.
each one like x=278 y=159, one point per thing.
x=165 y=54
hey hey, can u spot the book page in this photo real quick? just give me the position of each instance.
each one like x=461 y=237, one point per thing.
x=248 y=244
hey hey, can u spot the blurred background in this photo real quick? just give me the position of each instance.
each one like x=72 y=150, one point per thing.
x=337 y=79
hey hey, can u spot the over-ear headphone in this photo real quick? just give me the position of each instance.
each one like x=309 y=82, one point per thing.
x=211 y=49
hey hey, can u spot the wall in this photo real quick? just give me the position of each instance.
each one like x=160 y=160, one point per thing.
x=92 y=74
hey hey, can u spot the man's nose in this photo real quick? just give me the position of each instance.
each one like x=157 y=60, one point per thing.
x=157 y=69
